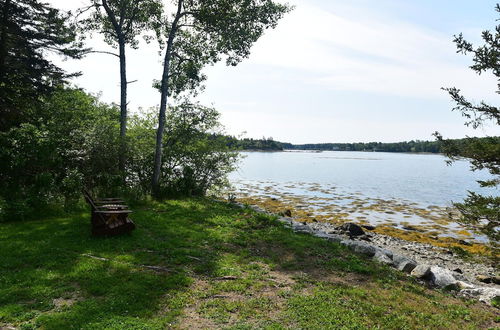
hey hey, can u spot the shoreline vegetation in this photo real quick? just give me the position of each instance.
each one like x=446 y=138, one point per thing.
x=269 y=144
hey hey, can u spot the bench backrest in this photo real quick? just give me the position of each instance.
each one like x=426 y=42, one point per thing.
x=89 y=199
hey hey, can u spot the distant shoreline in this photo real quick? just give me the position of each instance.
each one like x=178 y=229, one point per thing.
x=270 y=145
x=320 y=151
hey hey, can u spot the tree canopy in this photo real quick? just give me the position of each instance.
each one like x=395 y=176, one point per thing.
x=29 y=30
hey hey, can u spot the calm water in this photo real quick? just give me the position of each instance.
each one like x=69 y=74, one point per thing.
x=420 y=178
x=394 y=189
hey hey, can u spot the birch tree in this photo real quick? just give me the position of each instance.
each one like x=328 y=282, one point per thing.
x=198 y=33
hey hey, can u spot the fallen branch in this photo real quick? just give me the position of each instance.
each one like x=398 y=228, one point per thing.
x=155 y=268
x=227 y=278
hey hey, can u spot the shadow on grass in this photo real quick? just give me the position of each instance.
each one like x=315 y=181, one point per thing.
x=102 y=281
x=54 y=274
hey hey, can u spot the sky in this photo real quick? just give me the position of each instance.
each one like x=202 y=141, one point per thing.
x=331 y=71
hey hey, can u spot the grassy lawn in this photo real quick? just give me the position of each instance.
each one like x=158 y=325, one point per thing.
x=198 y=264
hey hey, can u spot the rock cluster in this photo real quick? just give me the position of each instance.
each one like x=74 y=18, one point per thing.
x=422 y=261
x=432 y=274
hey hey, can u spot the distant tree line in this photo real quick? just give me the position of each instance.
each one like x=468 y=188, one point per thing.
x=264 y=144
x=268 y=144
x=409 y=146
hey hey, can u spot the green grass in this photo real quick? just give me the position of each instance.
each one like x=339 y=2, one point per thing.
x=213 y=267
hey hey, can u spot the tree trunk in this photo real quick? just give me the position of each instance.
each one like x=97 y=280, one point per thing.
x=155 y=183
x=3 y=37
x=123 y=108
x=117 y=26
x=161 y=125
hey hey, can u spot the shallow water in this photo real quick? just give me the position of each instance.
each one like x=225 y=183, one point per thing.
x=379 y=188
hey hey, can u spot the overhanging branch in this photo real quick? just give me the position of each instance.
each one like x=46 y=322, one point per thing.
x=101 y=52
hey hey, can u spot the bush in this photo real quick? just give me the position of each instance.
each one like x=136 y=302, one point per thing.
x=45 y=162
x=196 y=158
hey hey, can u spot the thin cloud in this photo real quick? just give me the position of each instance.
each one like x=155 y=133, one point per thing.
x=376 y=55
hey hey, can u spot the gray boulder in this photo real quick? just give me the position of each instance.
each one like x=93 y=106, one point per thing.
x=321 y=234
x=299 y=228
x=421 y=271
x=403 y=263
x=382 y=257
x=442 y=277
x=407 y=266
x=360 y=247
x=388 y=253
x=238 y=204
x=334 y=238
x=464 y=285
x=285 y=220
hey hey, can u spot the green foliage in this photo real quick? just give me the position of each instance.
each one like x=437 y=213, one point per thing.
x=409 y=146
x=496 y=302
x=483 y=213
x=264 y=144
x=121 y=22
x=480 y=212
x=204 y=32
x=29 y=30
x=47 y=160
x=75 y=143
x=195 y=157
x=54 y=139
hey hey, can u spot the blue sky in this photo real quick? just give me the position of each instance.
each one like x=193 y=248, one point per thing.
x=332 y=71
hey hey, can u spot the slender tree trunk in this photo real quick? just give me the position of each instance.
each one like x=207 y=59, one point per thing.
x=3 y=37
x=118 y=27
x=123 y=107
x=155 y=183
x=161 y=125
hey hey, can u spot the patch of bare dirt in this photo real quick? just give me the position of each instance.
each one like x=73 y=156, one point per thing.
x=276 y=282
x=63 y=302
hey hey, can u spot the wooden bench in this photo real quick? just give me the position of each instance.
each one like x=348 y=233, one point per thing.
x=109 y=216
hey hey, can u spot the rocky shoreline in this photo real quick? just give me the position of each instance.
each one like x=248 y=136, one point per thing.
x=434 y=266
